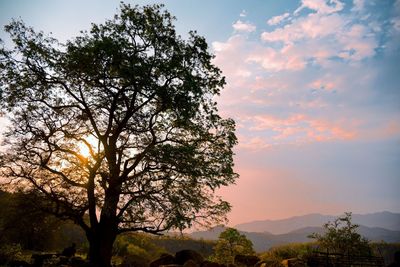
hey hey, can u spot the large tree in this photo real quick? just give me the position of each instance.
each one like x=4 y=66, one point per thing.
x=119 y=123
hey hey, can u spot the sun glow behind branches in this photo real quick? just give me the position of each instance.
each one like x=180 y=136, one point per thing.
x=84 y=148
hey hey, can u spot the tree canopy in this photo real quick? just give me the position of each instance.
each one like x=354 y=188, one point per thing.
x=231 y=243
x=341 y=237
x=119 y=123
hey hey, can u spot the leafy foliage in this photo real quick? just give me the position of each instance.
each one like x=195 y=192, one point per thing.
x=137 y=244
x=341 y=237
x=231 y=243
x=139 y=100
x=135 y=249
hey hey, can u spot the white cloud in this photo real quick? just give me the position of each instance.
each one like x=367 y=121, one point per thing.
x=319 y=37
x=241 y=26
x=302 y=81
x=243 y=13
x=278 y=19
x=321 y=6
x=273 y=60
x=312 y=26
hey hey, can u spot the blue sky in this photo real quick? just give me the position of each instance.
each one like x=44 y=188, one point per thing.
x=314 y=86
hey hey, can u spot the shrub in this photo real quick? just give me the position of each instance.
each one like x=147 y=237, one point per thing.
x=279 y=253
x=10 y=252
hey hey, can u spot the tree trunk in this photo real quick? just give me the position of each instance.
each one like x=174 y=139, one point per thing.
x=100 y=246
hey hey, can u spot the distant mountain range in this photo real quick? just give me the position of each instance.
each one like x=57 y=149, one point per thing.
x=298 y=228
x=386 y=220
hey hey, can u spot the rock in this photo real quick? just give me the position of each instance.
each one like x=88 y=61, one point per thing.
x=134 y=261
x=211 y=264
x=165 y=259
x=190 y=263
x=184 y=255
x=246 y=260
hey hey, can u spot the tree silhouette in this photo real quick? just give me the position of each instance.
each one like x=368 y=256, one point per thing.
x=118 y=124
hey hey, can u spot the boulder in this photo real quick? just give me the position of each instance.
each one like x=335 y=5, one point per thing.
x=246 y=260
x=184 y=255
x=165 y=259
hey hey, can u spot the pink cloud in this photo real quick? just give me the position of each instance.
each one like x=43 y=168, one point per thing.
x=357 y=43
x=273 y=60
x=278 y=19
x=321 y=6
x=311 y=26
x=270 y=84
x=300 y=128
x=252 y=143
x=321 y=84
x=241 y=26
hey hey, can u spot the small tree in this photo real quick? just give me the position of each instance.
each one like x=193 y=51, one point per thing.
x=341 y=237
x=118 y=125
x=22 y=223
x=231 y=243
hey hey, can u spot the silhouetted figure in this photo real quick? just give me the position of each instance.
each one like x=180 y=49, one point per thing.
x=396 y=262
x=69 y=251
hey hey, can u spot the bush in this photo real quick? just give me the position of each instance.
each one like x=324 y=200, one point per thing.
x=10 y=252
x=135 y=244
x=341 y=237
x=280 y=253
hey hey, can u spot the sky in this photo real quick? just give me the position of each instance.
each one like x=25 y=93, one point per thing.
x=313 y=85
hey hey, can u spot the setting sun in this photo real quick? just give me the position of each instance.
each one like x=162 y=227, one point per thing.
x=85 y=146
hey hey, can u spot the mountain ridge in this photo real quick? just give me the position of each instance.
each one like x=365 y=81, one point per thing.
x=385 y=219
